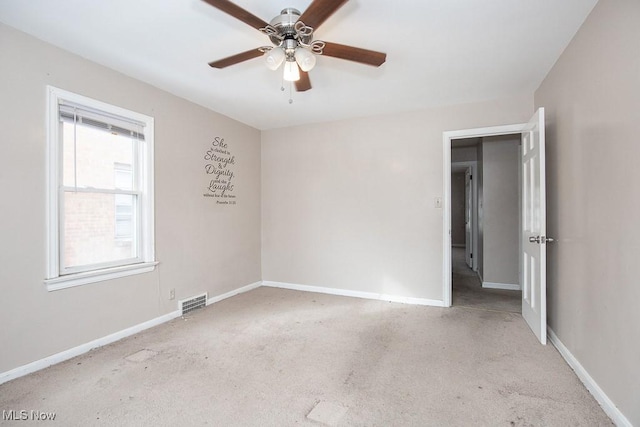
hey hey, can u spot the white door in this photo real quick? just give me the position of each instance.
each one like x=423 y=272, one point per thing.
x=534 y=251
x=468 y=218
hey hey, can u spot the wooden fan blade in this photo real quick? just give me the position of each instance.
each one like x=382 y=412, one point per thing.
x=350 y=53
x=235 y=59
x=237 y=12
x=304 y=84
x=319 y=11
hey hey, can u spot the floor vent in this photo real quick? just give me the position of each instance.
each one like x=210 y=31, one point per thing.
x=194 y=303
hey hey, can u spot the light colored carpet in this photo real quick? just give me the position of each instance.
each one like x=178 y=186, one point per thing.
x=468 y=290
x=273 y=357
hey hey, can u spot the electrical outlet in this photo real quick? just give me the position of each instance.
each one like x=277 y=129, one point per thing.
x=172 y=294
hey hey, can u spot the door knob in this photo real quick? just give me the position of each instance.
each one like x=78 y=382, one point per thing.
x=541 y=239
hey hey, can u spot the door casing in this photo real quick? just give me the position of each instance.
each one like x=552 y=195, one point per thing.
x=447 y=137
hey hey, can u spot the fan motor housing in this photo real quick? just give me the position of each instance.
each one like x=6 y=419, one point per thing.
x=285 y=25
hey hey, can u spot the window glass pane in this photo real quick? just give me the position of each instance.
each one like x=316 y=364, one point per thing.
x=90 y=155
x=97 y=228
x=123 y=176
x=124 y=216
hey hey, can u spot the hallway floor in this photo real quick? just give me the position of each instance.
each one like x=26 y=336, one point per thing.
x=468 y=290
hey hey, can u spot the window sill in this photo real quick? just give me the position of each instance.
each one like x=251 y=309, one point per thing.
x=77 y=279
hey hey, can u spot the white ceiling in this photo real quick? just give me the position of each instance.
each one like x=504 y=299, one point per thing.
x=439 y=52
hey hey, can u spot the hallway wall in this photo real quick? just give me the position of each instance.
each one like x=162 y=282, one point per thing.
x=458 y=215
x=501 y=209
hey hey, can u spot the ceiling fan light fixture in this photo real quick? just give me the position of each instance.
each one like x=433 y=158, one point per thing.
x=273 y=58
x=291 y=71
x=292 y=36
x=305 y=59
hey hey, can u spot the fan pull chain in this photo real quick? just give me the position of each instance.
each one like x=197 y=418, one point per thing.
x=290 y=90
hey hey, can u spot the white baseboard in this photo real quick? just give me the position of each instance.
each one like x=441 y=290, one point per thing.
x=506 y=286
x=607 y=405
x=356 y=294
x=233 y=293
x=84 y=348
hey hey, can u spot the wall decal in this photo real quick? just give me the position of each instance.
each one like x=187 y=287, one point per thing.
x=219 y=168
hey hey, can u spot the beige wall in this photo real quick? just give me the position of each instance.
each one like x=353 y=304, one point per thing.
x=350 y=204
x=592 y=102
x=200 y=246
x=500 y=160
x=464 y=154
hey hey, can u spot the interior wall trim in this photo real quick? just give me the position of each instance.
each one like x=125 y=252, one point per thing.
x=506 y=286
x=233 y=293
x=607 y=404
x=356 y=294
x=116 y=336
x=447 y=137
x=84 y=348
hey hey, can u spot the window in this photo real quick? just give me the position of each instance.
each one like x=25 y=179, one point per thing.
x=123 y=203
x=100 y=202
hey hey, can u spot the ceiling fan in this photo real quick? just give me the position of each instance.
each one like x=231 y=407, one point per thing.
x=291 y=34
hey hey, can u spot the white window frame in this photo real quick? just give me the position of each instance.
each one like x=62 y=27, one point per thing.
x=146 y=260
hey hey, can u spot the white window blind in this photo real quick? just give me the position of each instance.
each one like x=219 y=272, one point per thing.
x=100 y=120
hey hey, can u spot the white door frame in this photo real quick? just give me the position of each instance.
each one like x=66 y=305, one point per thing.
x=473 y=165
x=446 y=217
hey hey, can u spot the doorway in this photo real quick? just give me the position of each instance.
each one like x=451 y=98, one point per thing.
x=448 y=138
x=532 y=263
x=485 y=216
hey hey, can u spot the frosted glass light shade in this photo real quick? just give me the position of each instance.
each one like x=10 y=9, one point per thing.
x=305 y=59
x=274 y=58
x=291 y=71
